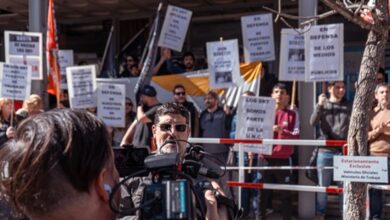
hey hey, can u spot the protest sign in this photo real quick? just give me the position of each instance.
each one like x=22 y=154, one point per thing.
x=65 y=59
x=111 y=104
x=25 y=48
x=82 y=86
x=255 y=119
x=15 y=81
x=258 y=38
x=324 y=53
x=361 y=169
x=292 y=56
x=174 y=29
x=224 y=64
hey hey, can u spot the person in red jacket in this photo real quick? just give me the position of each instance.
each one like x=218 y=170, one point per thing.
x=283 y=128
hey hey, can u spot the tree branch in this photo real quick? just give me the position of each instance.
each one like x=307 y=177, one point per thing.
x=350 y=16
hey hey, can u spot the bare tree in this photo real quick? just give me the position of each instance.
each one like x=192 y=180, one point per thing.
x=372 y=15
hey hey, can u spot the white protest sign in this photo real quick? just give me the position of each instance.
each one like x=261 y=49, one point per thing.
x=15 y=81
x=360 y=169
x=292 y=56
x=224 y=64
x=255 y=119
x=324 y=53
x=82 y=86
x=65 y=59
x=25 y=48
x=174 y=29
x=111 y=104
x=258 y=38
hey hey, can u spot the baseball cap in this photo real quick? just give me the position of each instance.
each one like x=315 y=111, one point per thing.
x=149 y=90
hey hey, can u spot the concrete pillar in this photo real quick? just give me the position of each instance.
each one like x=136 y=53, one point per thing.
x=306 y=94
x=37 y=14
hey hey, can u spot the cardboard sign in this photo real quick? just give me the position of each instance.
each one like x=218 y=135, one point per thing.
x=82 y=86
x=292 y=56
x=174 y=29
x=111 y=104
x=361 y=169
x=224 y=64
x=255 y=119
x=324 y=53
x=15 y=81
x=65 y=59
x=258 y=37
x=25 y=48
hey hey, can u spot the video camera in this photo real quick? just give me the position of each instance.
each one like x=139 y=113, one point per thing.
x=173 y=192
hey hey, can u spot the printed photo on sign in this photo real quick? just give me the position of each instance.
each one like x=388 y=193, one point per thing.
x=82 y=86
x=15 y=81
x=255 y=119
x=111 y=104
x=324 y=53
x=258 y=38
x=25 y=48
x=292 y=56
x=224 y=65
x=65 y=59
x=174 y=29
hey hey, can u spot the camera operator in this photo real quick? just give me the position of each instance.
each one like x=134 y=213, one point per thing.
x=171 y=131
x=59 y=166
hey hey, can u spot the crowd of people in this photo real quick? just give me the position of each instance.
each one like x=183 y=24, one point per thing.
x=70 y=150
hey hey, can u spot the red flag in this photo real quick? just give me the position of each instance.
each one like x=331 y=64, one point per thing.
x=54 y=76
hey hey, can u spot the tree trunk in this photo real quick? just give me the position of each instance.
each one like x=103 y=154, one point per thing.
x=355 y=193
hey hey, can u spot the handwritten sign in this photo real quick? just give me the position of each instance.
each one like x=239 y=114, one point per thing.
x=65 y=59
x=258 y=38
x=256 y=117
x=25 y=48
x=324 y=53
x=82 y=86
x=174 y=29
x=292 y=56
x=15 y=81
x=224 y=64
x=111 y=104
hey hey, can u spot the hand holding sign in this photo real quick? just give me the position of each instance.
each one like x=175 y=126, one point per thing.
x=321 y=99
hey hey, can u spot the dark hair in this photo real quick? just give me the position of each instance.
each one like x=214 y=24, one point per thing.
x=381 y=70
x=248 y=93
x=332 y=83
x=134 y=57
x=213 y=94
x=281 y=86
x=189 y=54
x=171 y=108
x=177 y=86
x=54 y=156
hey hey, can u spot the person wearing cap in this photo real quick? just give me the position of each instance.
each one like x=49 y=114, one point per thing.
x=140 y=132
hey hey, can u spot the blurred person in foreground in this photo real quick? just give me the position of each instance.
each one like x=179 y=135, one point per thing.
x=59 y=166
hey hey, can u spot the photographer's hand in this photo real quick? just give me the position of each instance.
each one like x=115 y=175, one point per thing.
x=215 y=210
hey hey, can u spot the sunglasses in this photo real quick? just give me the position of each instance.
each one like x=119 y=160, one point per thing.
x=129 y=60
x=180 y=93
x=168 y=127
x=128 y=103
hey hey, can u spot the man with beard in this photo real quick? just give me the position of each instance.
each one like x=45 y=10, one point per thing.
x=379 y=141
x=189 y=62
x=214 y=123
x=179 y=97
x=170 y=133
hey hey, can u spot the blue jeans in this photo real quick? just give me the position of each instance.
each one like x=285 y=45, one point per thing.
x=325 y=178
